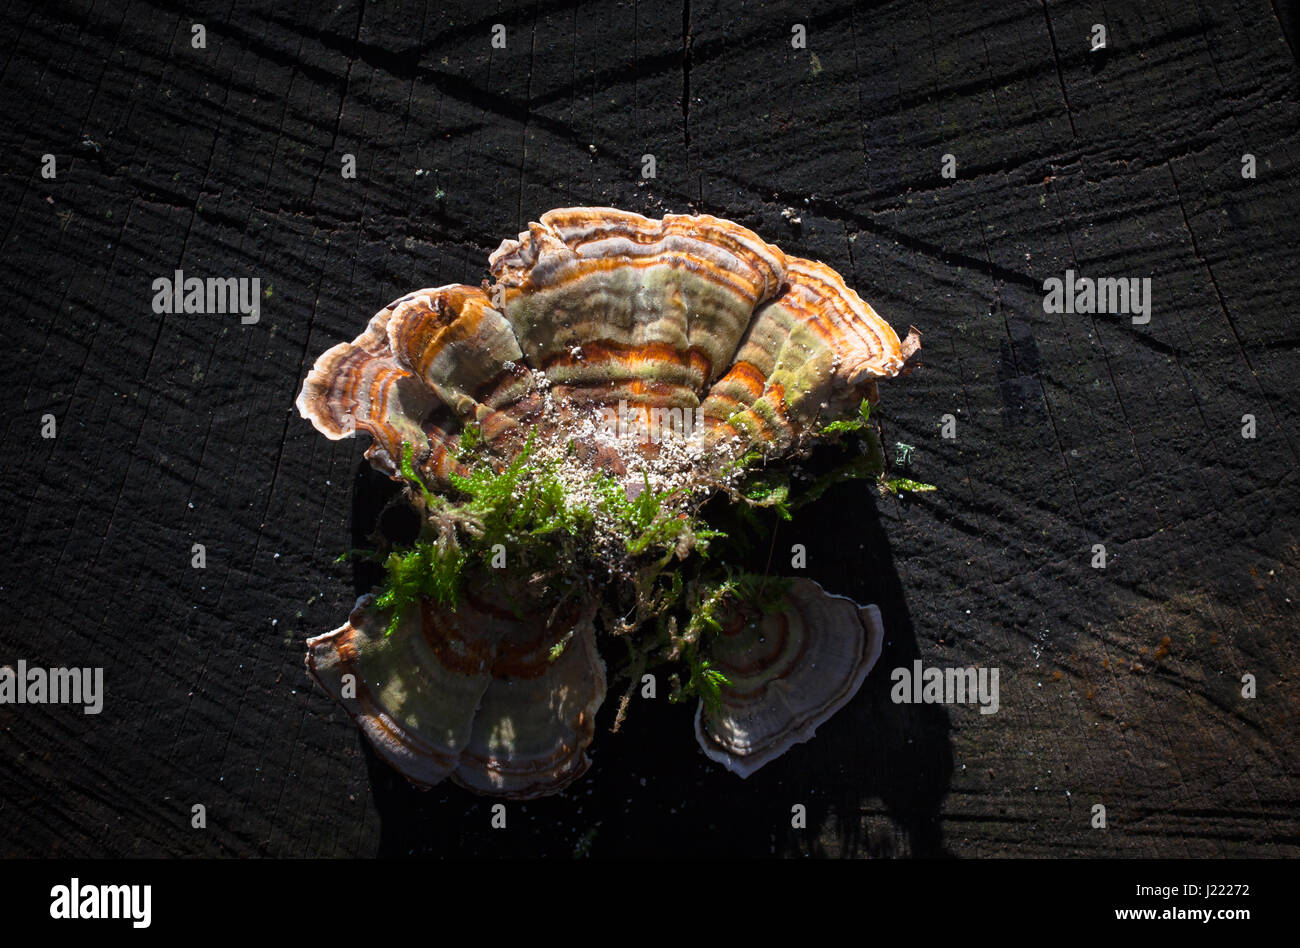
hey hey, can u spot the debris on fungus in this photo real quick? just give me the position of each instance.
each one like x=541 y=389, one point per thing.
x=563 y=434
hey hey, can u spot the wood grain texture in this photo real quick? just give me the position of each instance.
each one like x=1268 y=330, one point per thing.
x=1071 y=429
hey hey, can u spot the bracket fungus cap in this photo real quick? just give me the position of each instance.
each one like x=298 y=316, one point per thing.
x=474 y=695
x=790 y=670
x=594 y=310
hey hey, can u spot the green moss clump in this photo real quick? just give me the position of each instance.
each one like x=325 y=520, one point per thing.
x=524 y=510
x=430 y=569
x=409 y=472
x=521 y=501
x=647 y=524
x=471 y=436
x=898 y=485
x=850 y=424
x=705 y=681
x=664 y=605
x=770 y=490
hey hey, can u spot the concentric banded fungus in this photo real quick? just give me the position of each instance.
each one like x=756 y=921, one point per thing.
x=790 y=670
x=571 y=418
x=470 y=694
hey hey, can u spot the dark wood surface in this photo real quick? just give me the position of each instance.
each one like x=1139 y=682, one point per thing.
x=1071 y=429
